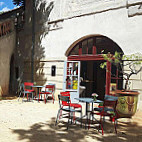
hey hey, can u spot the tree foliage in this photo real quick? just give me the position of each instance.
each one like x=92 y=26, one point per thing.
x=19 y=2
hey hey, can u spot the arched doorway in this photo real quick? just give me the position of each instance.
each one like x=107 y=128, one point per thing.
x=12 y=73
x=88 y=51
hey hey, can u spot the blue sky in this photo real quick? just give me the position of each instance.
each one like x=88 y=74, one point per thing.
x=6 y=5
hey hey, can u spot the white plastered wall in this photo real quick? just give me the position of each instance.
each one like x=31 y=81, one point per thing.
x=115 y=23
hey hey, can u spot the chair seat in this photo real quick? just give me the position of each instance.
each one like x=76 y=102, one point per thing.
x=73 y=105
x=27 y=92
x=68 y=109
x=105 y=109
x=30 y=90
x=76 y=105
x=43 y=92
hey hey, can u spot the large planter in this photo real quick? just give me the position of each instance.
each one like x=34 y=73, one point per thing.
x=127 y=103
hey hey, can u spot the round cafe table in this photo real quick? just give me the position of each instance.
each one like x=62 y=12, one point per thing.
x=38 y=87
x=88 y=101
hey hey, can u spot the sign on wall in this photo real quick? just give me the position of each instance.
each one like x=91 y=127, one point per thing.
x=5 y=28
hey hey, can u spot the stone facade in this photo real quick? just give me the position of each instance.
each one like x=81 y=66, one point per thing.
x=59 y=24
x=8 y=43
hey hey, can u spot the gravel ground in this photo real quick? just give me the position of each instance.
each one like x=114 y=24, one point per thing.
x=34 y=122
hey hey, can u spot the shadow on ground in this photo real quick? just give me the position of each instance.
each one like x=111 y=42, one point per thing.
x=7 y=97
x=48 y=132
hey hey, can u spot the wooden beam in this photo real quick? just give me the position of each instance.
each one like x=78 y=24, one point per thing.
x=85 y=58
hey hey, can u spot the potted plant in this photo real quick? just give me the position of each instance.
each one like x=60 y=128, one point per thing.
x=127 y=98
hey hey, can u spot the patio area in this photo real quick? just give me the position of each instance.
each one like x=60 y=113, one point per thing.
x=34 y=122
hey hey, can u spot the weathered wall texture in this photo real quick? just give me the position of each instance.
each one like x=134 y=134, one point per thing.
x=69 y=20
x=81 y=18
x=26 y=39
x=109 y=18
x=7 y=45
x=136 y=83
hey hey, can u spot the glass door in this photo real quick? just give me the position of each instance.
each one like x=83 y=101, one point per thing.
x=72 y=78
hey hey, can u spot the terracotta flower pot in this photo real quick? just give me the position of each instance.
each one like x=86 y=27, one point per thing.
x=127 y=103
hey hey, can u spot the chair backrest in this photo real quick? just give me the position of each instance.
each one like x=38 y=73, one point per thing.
x=63 y=99
x=65 y=93
x=110 y=97
x=28 y=86
x=64 y=103
x=50 y=88
x=110 y=102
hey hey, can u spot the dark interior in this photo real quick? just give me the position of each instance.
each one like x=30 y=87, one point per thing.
x=93 y=78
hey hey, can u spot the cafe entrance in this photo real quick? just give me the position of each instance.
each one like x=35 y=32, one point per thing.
x=88 y=52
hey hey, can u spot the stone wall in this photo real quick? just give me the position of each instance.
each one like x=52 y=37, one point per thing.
x=7 y=45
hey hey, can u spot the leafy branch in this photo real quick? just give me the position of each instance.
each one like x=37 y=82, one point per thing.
x=19 y=2
x=133 y=62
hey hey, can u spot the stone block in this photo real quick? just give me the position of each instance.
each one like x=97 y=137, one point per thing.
x=136 y=84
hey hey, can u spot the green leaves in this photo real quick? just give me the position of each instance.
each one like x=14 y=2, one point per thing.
x=115 y=59
x=133 y=62
x=103 y=65
x=19 y=2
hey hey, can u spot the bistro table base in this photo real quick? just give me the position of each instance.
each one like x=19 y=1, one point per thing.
x=38 y=87
x=87 y=110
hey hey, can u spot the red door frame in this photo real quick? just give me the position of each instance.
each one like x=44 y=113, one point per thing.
x=95 y=58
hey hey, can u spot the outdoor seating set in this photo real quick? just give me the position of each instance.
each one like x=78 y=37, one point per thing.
x=106 y=108
x=33 y=92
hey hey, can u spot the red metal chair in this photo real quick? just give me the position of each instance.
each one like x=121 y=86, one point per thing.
x=74 y=105
x=49 y=90
x=28 y=89
x=107 y=109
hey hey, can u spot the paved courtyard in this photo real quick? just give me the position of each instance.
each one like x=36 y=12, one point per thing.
x=34 y=122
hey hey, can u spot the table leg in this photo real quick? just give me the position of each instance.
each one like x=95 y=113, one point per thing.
x=92 y=110
x=87 y=110
x=87 y=105
x=38 y=94
x=38 y=90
